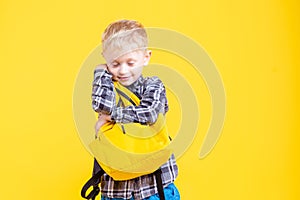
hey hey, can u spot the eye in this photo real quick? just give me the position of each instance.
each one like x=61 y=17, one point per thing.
x=115 y=64
x=130 y=64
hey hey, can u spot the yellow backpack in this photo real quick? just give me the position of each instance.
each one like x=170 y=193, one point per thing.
x=126 y=151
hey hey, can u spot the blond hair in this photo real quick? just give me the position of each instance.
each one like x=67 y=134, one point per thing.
x=123 y=36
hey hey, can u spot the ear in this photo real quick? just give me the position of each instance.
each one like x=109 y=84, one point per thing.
x=147 y=57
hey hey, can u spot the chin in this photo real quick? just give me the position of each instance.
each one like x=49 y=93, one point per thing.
x=125 y=83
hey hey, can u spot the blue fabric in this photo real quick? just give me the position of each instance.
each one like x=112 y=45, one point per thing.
x=171 y=193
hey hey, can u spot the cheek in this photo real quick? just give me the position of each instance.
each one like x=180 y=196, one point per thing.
x=113 y=71
x=137 y=70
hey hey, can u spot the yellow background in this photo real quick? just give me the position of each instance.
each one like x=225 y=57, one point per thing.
x=255 y=45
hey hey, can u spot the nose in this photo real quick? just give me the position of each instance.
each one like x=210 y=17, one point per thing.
x=123 y=69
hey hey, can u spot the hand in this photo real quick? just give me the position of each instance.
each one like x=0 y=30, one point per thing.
x=102 y=66
x=102 y=119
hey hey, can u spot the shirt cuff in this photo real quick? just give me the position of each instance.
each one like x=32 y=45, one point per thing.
x=116 y=114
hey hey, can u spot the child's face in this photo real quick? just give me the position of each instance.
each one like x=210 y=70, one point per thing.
x=127 y=68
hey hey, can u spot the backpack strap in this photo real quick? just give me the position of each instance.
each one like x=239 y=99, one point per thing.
x=125 y=96
x=93 y=181
x=125 y=93
x=159 y=184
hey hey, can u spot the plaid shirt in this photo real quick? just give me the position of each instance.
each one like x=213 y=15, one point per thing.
x=152 y=93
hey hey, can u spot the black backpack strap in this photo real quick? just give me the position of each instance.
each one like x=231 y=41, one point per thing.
x=93 y=181
x=159 y=184
x=126 y=97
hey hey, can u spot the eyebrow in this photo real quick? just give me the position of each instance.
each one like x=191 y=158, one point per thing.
x=131 y=59
x=128 y=60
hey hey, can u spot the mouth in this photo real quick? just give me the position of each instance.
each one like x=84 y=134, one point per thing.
x=123 y=78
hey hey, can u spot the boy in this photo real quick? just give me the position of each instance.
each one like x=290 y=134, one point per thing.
x=124 y=45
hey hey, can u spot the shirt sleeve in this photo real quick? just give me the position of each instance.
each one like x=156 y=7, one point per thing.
x=103 y=96
x=153 y=102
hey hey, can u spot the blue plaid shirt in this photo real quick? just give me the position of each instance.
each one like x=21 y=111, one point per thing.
x=153 y=101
